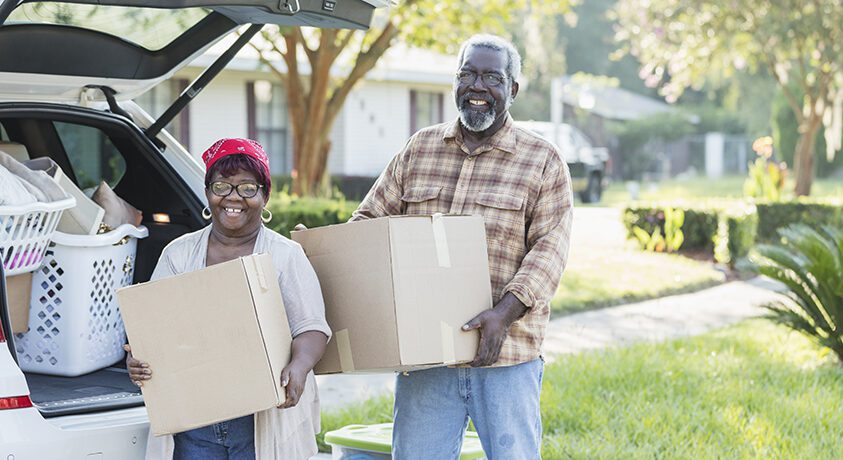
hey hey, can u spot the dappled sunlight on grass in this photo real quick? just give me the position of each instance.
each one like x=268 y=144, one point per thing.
x=743 y=392
x=599 y=276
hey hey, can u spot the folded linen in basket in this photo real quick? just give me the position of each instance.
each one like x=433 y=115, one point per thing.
x=37 y=183
x=16 y=191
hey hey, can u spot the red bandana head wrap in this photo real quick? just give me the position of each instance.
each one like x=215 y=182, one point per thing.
x=235 y=146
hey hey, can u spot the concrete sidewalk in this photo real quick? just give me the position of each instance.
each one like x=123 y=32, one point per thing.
x=653 y=320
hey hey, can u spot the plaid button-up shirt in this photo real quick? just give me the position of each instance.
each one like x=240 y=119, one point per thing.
x=521 y=186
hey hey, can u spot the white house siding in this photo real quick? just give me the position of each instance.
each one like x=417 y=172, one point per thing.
x=377 y=124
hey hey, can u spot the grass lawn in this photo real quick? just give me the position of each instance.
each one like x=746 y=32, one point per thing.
x=730 y=187
x=750 y=391
x=602 y=277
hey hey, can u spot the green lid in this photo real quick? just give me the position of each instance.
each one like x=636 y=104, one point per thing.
x=378 y=438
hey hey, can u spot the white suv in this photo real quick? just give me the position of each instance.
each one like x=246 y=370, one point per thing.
x=68 y=72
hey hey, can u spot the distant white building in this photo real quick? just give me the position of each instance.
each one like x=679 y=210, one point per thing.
x=408 y=90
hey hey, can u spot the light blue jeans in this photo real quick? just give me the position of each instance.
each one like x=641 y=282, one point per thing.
x=432 y=409
x=230 y=440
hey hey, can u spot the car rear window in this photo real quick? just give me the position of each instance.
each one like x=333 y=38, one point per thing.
x=150 y=28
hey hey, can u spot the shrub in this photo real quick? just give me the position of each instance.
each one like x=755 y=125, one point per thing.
x=810 y=263
x=289 y=210
x=699 y=228
x=736 y=234
x=673 y=236
x=773 y=216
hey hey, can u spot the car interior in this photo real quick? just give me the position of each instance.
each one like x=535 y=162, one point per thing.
x=91 y=146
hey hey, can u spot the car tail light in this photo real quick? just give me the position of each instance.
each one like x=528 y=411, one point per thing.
x=15 y=402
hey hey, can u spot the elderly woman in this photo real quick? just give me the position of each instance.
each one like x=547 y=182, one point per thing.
x=237 y=186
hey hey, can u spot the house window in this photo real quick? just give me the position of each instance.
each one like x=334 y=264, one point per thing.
x=268 y=123
x=158 y=99
x=426 y=109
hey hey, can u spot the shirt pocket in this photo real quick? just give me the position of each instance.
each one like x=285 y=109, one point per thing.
x=421 y=200
x=503 y=214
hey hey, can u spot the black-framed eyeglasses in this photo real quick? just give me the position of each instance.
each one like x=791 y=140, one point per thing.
x=245 y=190
x=467 y=77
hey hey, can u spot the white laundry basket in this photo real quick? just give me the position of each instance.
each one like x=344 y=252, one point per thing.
x=74 y=323
x=25 y=232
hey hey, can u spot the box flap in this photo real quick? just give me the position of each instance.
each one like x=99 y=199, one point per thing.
x=428 y=327
x=274 y=327
x=199 y=333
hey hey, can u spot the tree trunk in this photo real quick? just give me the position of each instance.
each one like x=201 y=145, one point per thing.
x=803 y=158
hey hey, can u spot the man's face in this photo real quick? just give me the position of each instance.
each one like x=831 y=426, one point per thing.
x=482 y=89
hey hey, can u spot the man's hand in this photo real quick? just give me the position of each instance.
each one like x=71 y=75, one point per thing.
x=494 y=325
x=293 y=378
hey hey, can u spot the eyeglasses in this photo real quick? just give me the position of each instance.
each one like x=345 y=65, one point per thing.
x=245 y=190
x=468 y=77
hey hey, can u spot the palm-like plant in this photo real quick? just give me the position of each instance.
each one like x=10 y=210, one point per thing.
x=810 y=263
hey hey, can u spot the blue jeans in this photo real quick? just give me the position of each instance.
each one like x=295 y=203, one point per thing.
x=233 y=439
x=432 y=409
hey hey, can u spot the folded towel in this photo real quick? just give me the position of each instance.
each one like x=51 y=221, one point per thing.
x=39 y=183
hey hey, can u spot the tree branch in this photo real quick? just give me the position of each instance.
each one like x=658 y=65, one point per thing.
x=788 y=94
x=363 y=64
x=311 y=54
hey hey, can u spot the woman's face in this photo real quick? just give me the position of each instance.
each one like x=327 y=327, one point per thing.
x=234 y=215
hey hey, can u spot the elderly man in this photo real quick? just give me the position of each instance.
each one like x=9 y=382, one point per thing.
x=483 y=164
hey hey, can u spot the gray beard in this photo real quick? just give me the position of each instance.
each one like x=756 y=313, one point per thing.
x=477 y=121
x=480 y=121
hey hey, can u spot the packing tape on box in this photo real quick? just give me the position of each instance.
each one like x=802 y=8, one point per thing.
x=261 y=274
x=344 y=347
x=448 y=354
x=440 y=239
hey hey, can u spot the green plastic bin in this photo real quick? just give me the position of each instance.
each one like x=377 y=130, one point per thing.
x=374 y=442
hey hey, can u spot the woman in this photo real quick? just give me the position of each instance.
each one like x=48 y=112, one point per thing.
x=237 y=186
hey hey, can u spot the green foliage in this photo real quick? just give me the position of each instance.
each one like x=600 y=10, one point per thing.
x=735 y=235
x=289 y=210
x=673 y=236
x=765 y=180
x=786 y=134
x=699 y=225
x=809 y=262
x=811 y=212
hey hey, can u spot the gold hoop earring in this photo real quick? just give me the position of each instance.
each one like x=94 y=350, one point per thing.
x=206 y=213
x=264 y=217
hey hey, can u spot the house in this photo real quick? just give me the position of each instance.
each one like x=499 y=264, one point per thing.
x=408 y=90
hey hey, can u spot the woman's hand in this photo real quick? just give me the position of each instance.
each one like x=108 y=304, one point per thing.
x=138 y=370
x=308 y=348
x=293 y=379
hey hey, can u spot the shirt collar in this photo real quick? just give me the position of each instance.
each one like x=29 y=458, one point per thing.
x=503 y=140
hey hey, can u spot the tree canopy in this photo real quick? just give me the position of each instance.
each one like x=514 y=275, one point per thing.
x=336 y=60
x=686 y=43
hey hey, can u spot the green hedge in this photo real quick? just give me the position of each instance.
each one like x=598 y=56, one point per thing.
x=736 y=235
x=773 y=216
x=287 y=211
x=700 y=224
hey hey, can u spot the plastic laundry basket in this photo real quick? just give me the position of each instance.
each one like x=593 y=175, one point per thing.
x=74 y=323
x=374 y=442
x=25 y=232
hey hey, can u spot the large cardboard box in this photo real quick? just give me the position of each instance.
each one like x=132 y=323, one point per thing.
x=216 y=340
x=398 y=289
x=18 y=292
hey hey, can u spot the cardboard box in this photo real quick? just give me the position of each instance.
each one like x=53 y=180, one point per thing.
x=398 y=289
x=216 y=340
x=84 y=218
x=18 y=291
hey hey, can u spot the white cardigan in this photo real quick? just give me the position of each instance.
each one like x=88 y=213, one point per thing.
x=279 y=433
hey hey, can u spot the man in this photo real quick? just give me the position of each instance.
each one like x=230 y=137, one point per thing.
x=483 y=164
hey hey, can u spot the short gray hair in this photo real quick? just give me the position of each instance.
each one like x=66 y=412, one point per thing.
x=513 y=66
